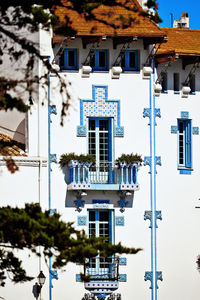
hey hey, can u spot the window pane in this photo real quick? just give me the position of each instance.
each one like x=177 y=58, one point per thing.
x=164 y=82
x=62 y=63
x=71 y=58
x=92 y=216
x=102 y=59
x=103 y=124
x=91 y=124
x=176 y=82
x=192 y=83
x=103 y=216
x=132 y=60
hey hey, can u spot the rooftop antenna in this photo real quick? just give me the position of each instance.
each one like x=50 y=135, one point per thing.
x=172 y=19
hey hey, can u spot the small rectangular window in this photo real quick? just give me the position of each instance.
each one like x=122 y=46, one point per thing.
x=176 y=83
x=164 y=82
x=129 y=60
x=184 y=144
x=69 y=60
x=192 y=84
x=99 y=59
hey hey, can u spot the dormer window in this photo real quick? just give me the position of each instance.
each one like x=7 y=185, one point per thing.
x=69 y=60
x=99 y=60
x=129 y=61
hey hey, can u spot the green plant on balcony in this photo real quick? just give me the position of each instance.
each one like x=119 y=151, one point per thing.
x=129 y=159
x=82 y=158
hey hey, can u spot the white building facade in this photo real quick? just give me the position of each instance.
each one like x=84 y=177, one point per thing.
x=127 y=96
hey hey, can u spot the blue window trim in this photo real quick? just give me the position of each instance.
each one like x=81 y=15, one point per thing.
x=110 y=136
x=111 y=222
x=127 y=62
x=187 y=132
x=96 y=57
x=66 y=58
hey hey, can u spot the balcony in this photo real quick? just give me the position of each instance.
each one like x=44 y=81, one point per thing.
x=106 y=176
x=103 y=274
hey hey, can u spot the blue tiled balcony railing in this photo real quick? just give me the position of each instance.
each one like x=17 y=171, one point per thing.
x=104 y=176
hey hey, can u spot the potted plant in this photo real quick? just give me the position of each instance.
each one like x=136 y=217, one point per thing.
x=67 y=158
x=129 y=159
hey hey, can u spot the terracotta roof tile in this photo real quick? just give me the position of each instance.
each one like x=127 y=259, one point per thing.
x=182 y=41
x=9 y=147
x=111 y=15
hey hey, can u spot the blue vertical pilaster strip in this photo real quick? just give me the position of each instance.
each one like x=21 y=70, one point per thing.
x=151 y=181
x=49 y=169
x=154 y=196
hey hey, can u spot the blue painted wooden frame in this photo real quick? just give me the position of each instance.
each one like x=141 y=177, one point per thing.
x=127 y=61
x=66 y=59
x=96 y=67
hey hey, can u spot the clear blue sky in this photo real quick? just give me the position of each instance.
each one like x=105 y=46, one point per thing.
x=176 y=7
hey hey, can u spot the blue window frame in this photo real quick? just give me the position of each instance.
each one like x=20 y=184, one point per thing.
x=99 y=60
x=129 y=60
x=100 y=140
x=184 y=144
x=69 y=60
x=101 y=224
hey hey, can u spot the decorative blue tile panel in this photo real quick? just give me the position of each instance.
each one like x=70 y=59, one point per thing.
x=174 y=129
x=54 y=274
x=122 y=277
x=148 y=216
x=146 y=112
x=82 y=220
x=187 y=172
x=157 y=112
x=119 y=131
x=52 y=109
x=184 y=115
x=158 y=160
x=52 y=211
x=158 y=277
x=81 y=130
x=122 y=261
x=158 y=215
x=53 y=158
x=195 y=130
x=78 y=278
x=119 y=221
x=149 y=276
x=147 y=160
x=100 y=106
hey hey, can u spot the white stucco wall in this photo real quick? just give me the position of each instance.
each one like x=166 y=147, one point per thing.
x=177 y=195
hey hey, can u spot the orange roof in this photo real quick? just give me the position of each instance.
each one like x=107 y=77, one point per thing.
x=9 y=147
x=181 y=41
x=108 y=17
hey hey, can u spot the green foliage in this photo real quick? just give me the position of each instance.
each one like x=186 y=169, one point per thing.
x=129 y=158
x=29 y=227
x=154 y=5
x=84 y=158
x=7 y=102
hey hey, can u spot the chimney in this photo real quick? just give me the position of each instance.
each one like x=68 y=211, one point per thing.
x=183 y=22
